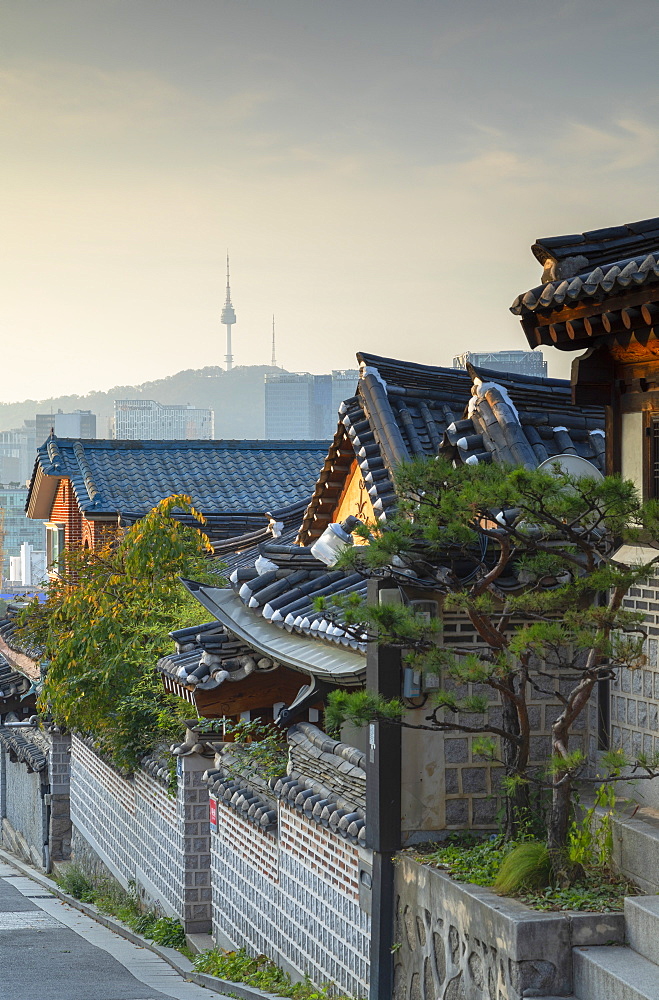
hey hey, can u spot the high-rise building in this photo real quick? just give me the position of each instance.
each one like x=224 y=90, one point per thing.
x=301 y=406
x=16 y=527
x=78 y=424
x=147 y=420
x=516 y=362
x=17 y=454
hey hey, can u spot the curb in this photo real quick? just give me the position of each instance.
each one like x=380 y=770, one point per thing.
x=178 y=962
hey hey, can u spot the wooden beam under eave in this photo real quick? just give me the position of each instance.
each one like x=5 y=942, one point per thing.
x=595 y=307
x=259 y=690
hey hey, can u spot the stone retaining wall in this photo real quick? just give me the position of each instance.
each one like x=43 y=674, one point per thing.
x=456 y=941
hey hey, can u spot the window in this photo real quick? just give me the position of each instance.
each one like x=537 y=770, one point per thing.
x=54 y=545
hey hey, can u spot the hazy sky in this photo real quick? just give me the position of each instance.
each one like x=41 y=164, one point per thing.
x=377 y=169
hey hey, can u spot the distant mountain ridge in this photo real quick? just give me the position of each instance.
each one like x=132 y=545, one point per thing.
x=236 y=397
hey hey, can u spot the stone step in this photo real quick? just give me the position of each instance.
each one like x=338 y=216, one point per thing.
x=614 y=973
x=642 y=926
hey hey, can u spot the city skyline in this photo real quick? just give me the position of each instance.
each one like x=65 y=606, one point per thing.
x=372 y=185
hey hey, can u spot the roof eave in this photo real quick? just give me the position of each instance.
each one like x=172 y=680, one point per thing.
x=334 y=665
x=41 y=494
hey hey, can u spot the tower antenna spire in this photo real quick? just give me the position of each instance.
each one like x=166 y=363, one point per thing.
x=228 y=319
x=273 y=360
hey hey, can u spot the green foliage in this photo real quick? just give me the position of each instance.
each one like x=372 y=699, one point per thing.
x=598 y=891
x=466 y=857
x=77 y=883
x=259 y=748
x=105 y=624
x=260 y=972
x=527 y=866
x=526 y=556
x=168 y=932
x=359 y=708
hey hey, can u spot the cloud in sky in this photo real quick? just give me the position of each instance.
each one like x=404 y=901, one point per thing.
x=377 y=170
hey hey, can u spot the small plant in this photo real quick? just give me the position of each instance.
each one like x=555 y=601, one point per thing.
x=111 y=898
x=168 y=932
x=527 y=866
x=599 y=892
x=466 y=857
x=590 y=842
x=76 y=883
x=260 y=972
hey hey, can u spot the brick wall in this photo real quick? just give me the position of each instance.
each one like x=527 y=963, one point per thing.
x=65 y=511
x=140 y=833
x=292 y=894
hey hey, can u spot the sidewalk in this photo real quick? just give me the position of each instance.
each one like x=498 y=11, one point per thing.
x=49 y=949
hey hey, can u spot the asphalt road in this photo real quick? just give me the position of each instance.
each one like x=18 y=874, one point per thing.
x=50 y=951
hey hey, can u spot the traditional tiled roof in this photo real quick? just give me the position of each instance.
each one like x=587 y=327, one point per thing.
x=207 y=656
x=400 y=411
x=227 y=477
x=326 y=781
x=240 y=795
x=495 y=430
x=157 y=764
x=13 y=684
x=403 y=410
x=26 y=745
x=587 y=267
x=591 y=284
x=600 y=246
x=283 y=584
x=266 y=640
x=9 y=633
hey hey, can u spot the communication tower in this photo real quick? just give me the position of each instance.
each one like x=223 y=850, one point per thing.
x=228 y=319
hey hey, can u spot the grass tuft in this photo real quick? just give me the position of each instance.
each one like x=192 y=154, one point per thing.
x=526 y=867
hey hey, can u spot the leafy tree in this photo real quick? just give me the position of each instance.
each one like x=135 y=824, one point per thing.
x=528 y=558
x=106 y=622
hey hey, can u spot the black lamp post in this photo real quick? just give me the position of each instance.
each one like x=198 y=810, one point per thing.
x=383 y=801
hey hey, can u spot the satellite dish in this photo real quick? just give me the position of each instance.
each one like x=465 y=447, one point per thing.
x=572 y=465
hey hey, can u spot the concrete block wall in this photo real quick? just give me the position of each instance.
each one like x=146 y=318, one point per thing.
x=34 y=796
x=24 y=828
x=142 y=834
x=292 y=894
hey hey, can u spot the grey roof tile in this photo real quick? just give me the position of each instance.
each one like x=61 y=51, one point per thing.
x=228 y=477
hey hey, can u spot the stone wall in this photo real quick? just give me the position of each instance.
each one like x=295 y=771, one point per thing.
x=23 y=812
x=333 y=764
x=634 y=698
x=469 y=797
x=140 y=833
x=456 y=941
